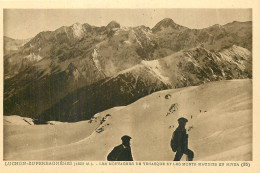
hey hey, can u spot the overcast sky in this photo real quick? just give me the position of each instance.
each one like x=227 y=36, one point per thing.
x=22 y=24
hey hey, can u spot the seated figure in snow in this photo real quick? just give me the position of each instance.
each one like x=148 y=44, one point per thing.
x=179 y=141
x=121 y=152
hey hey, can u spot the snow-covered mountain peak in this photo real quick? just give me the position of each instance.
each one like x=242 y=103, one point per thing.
x=166 y=23
x=113 y=24
x=78 y=30
x=76 y=24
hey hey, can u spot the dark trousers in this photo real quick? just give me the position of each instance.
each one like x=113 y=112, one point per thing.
x=179 y=154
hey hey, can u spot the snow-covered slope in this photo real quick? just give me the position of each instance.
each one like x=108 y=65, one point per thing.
x=220 y=123
x=17 y=120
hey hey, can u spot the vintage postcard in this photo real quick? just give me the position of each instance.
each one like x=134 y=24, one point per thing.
x=138 y=88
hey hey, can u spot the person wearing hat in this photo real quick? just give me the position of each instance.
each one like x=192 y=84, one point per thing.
x=121 y=152
x=179 y=141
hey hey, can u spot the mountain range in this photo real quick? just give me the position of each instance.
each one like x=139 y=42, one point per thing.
x=76 y=71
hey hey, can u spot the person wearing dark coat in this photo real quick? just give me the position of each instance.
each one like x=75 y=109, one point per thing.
x=121 y=152
x=179 y=141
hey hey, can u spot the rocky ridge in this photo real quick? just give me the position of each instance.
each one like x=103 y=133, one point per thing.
x=116 y=65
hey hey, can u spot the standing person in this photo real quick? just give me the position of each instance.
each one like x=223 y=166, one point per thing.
x=179 y=141
x=121 y=152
